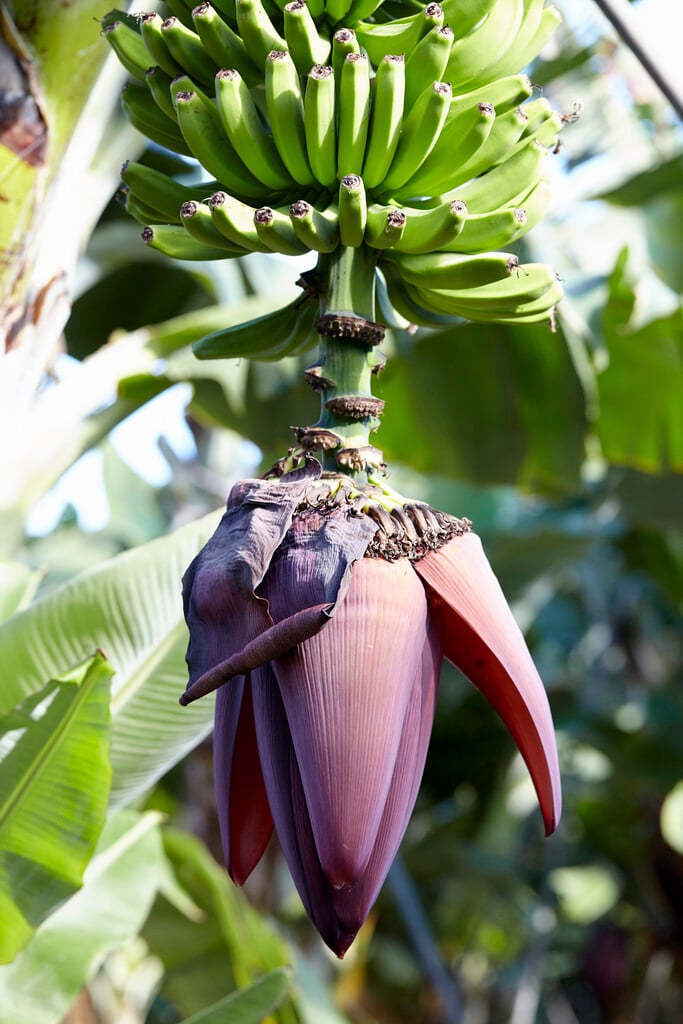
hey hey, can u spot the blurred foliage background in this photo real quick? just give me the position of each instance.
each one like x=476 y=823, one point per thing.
x=566 y=451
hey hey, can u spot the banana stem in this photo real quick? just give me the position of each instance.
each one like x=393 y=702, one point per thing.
x=347 y=359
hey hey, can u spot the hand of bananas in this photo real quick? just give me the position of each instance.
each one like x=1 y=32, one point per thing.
x=333 y=123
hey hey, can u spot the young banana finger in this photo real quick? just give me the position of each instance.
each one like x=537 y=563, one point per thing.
x=186 y=48
x=504 y=94
x=353 y=210
x=445 y=270
x=316 y=229
x=499 y=186
x=235 y=220
x=425 y=230
x=257 y=31
x=255 y=339
x=354 y=110
x=159 y=85
x=144 y=114
x=275 y=230
x=129 y=47
x=203 y=131
x=157 y=46
x=344 y=42
x=472 y=55
x=427 y=62
x=173 y=240
x=245 y=130
x=196 y=219
x=488 y=231
x=305 y=43
x=285 y=105
x=161 y=193
x=223 y=45
x=320 y=124
x=400 y=35
x=419 y=135
x=388 y=94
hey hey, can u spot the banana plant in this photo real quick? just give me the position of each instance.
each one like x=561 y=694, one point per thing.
x=402 y=152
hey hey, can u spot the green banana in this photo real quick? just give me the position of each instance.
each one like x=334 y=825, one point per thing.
x=285 y=106
x=223 y=45
x=360 y=10
x=344 y=42
x=353 y=210
x=427 y=62
x=180 y=10
x=159 y=192
x=385 y=226
x=465 y=14
x=275 y=230
x=460 y=140
x=504 y=94
x=157 y=45
x=531 y=292
x=419 y=135
x=202 y=129
x=499 y=186
x=335 y=10
x=283 y=332
x=317 y=229
x=305 y=43
x=404 y=305
x=174 y=241
x=129 y=47
x=496 y=145
x=484 y=232
x=538 y=25
x=455 y=271
x=245 y=130
x=354 y=110
x=386 y=118
x=425 y=230
x=186 y=48
x=475 y=53
x=145 y=115
x=400 y=35
x=320 y=127
x=196 y=219
x=534 y=202
x=235 y=220
x=257 y=31
x=142 y=213
x=159 y=85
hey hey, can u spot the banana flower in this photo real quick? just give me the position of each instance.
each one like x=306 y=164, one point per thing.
x=321 y=619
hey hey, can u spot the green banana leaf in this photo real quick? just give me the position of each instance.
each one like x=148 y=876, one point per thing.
x=130 y=607
x=48 y=829
x=120 y=883
x=18 y=584
x=249 y=1005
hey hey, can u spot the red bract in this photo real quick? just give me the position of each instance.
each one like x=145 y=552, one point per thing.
x=331 y=661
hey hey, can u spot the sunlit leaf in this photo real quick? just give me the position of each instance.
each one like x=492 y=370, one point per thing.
x=248 y=1005
x=54 y=777
x=131 y=608
x=119 y=886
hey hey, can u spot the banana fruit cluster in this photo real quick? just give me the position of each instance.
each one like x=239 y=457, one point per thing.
x=330 y=123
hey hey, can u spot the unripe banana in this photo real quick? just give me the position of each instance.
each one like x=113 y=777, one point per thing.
x=344 y=42
x=202 y=129
x=140 y=212
x=336 y=9
x=272 y=336
x=419 y=135
x=461 y=140
x=385 y=226
x=275 y=230
x=244 y=128
x=425 y=230
x=455 y=271
x=411 y=312
x=145 y=115
x=316 y=229
x=320 y=124
x=388 y=91
x=489 y=231
x=129 y=47
x=465 y=14
x=285 y=107
x=473 y=55
x=174 y=241
x=196 y=219
x=354 y=110
x=157 y=45
x=223 y=45
x=353 y=210
x=186 y=48
x=400 y=35
x=360 y=10
x=159 y=85
x=306 y=45
x=257 y=31
x=501 y=185
x=235 y=220
x=530 y=291
x=504 y=94
x=159 y=192
x=534 y=202
x=428 y=62
x=537 y=27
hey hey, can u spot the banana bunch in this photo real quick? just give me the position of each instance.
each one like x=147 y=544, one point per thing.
x=331 y=123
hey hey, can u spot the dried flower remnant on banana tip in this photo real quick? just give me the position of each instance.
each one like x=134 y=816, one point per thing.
x=321 y=614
